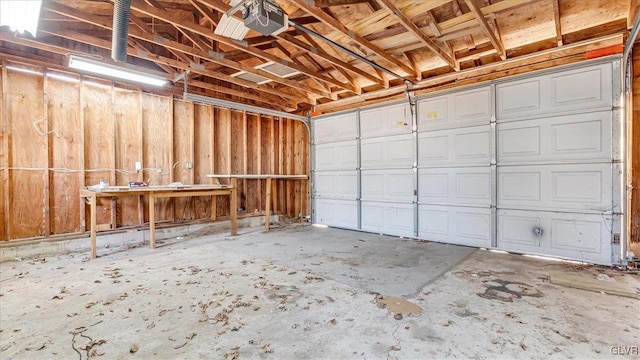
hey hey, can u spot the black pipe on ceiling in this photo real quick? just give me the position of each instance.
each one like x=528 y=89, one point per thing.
x=119 y=40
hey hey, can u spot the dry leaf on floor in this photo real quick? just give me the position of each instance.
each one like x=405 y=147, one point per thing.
x=333 y=321
x=267 y=348
x=152 y=325
x=523 y=346
x=233 y=355
x=134 y=348
x=180 y=345
x=191 y=335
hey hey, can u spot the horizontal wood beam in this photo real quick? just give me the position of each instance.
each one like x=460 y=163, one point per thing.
x=415 y=30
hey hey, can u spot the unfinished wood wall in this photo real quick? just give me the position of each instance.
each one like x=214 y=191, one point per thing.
x=634 y=144
x=101 y=130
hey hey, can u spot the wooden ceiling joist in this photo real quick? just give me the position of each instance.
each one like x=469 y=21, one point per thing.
x=415 y=30
x=165 y=16
x=497 y=44
x=176 y=46
x=335 y=24
x=556 y=20
x=312 y=49
x=106 y=44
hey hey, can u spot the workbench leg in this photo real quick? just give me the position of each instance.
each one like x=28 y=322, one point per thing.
x=140 y=210
x=152 y=221
x=234 y=206
x=214 y=207
x=83 y=210
x=274 y=196
x=94 y=225
x=114 y=212
x=267 y=206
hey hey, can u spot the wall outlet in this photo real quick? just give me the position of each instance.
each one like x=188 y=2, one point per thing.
x=138 y=165
x=189 y=165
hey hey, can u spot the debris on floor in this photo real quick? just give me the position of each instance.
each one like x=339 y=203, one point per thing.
x=398 y=306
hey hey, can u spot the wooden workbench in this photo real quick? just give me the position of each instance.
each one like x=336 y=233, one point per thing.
x=157 y=192
x=268 y=178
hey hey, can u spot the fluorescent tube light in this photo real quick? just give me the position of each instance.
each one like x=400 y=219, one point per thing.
x=100 y=68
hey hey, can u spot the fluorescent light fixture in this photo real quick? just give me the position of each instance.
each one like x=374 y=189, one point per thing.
x=231 y=27
x=103 y=69
x=21 y=15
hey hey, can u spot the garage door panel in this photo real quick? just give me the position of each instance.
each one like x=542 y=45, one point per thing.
x=582 y=88
x=388 y=185
x=461 y=186
x=464 y=146
x=388 y=218
x=336 y=185
x=385 y=121
x=338 y=213
x=455 y=225
x=388 y=152
x=463 y=109
x=337 y=156
x=568 y=186
x=578 y=90
x=335 y=128
x=585 y=237
x=585 y=137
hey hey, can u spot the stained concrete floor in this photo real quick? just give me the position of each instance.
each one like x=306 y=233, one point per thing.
x=308 y=293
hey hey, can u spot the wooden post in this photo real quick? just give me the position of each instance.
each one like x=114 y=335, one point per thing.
x=46 y=175
x=267 y=205
x=234 y=206
x=94 y=224
x=7 y=149
x=81 y=180
x=152 y=221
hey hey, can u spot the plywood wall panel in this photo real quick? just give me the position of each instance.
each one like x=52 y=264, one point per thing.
x=301 y=166
x=63 y=113
x=126 y=112
x=104 y=130
x=157 y=135
x=223 y=152
x=4 y=197
x=203 y=158
x=28 y=155
x=98 y=141
x=634 y=145
x=183 y=153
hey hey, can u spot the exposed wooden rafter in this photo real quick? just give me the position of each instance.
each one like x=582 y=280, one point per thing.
x=415 y=30
x=497 y=44
x=165 y=16
x=556 y=20
x=335 y=24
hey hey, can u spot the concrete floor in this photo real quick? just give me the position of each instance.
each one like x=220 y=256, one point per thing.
x=309 y=293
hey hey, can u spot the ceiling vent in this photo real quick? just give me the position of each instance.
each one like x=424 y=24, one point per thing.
x=277 y=69
x=251 y=77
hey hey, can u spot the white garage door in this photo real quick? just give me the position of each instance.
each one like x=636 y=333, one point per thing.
x=528 y=164
x=454 y=168
x=387 y=170
x=335 y=175
x=556 y=170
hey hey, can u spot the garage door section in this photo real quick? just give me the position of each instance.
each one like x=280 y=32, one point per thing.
x=387 y=170
x=336 y=171
x=454 y=168
x=556 y=174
